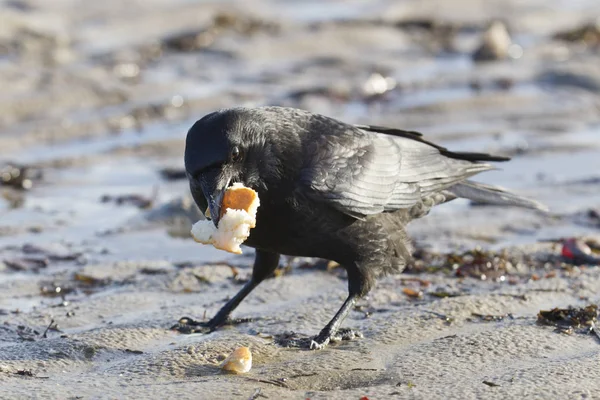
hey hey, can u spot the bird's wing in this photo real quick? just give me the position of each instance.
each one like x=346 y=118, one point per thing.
x=363 y=173
x=419 y=138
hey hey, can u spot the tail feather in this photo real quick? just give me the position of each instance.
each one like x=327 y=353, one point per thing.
x=496 y=195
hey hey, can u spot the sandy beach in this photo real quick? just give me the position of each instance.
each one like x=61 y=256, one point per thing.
x=96 y=260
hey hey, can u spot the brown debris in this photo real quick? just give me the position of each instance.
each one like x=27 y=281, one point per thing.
x=134 y=351
x=137 y=200
x=223 y=23
x=412 y=293
x=318 y=265
x=479 y=266
x=436 y=35
x=14 y=198
x=476 y=263
x=588 y=34
x=56 y=290
x=17 y=176
x=29 y=373
x=36 y=258
x=444 y=293
x=490 y=317
x=153 y=271
x=173 y=174
x=499 y=266
x=490 y=384
x=333 y=94
x=569 y=317
x=27 y=263
x=49 y=253
x=421 y=282
x=79 y=283
x=90 y=280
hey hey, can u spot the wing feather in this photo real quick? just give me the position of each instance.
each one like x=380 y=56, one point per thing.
x=363 y=172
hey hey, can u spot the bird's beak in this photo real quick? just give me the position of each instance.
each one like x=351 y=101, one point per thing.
x=213 y=192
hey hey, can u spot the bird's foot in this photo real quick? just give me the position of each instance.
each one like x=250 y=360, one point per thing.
x=346 y=334
x=293 y=340
x=324 y=338
x=188 y=325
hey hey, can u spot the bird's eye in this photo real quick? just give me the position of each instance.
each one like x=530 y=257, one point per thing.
x=235 y=154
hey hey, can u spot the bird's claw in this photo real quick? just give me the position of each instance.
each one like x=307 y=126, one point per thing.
x=346 y=334
x=318 y=343
x=187 y=325
x=324 y=338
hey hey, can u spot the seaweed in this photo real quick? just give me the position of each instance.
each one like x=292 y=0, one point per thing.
x=569 y=317
x=136 y=200
x=498 y=266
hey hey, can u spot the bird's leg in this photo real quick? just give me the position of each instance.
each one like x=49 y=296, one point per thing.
x=332 y=331
x=264 y=265
x=190 y=325
x=360 y=280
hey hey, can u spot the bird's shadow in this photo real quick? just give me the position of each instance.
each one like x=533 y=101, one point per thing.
x=202 y=370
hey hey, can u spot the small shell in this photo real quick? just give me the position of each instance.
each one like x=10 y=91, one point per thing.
x=239 y=362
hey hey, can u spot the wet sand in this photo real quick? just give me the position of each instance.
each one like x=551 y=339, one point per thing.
x=96 y=102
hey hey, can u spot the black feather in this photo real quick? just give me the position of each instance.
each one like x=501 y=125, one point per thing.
x=391 y=131
x=467 y=156
x=329 y=190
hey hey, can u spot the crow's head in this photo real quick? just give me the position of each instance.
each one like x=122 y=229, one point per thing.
x=225 y=147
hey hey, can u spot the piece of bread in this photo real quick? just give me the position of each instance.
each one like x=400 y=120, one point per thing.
x=238 y=362
x=239 y=197
x=238 y=216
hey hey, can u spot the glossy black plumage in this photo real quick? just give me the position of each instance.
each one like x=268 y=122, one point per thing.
x=328 y=189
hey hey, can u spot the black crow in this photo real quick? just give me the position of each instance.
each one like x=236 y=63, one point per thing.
x=329 y=190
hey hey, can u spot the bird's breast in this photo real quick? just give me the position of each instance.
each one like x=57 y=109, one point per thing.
x=292 y=227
